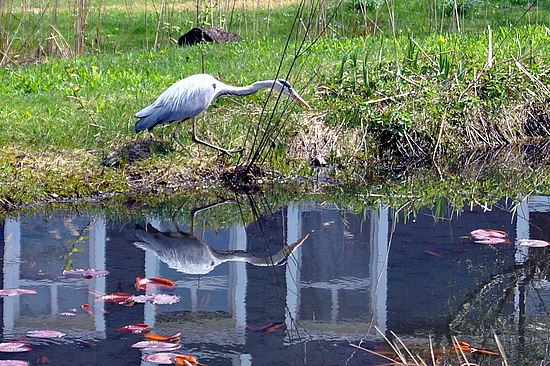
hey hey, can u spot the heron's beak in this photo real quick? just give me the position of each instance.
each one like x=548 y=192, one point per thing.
x=299 y=99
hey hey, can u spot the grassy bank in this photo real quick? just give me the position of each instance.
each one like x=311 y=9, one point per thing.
x=395 y=95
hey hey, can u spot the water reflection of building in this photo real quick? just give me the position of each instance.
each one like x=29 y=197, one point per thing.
x=34 y=251
x=353 y=272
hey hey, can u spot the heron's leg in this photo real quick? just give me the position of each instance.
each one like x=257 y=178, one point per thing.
x=177 y=138
x=196 y=139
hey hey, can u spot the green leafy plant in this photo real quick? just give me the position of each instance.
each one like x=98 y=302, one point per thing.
x=73 y=248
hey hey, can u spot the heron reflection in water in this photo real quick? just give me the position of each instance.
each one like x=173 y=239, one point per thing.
x=186 y=253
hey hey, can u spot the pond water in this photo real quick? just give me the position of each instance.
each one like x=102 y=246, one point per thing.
x=242 y=302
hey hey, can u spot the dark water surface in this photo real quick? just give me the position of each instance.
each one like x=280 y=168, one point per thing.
x=417 y=277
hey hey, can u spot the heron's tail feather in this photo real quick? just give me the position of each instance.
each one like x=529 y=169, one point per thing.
x=156 y=114
x=146 y=120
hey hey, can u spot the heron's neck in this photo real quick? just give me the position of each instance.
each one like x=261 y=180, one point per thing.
x=229 y=90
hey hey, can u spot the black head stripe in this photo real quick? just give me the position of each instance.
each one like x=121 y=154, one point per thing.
x=285 y=83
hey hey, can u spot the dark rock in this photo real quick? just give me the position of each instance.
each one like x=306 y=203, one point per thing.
x=217 y=35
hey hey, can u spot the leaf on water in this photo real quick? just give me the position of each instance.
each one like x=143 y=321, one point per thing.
x=481 y=234
x=70 y=312
x=165 y=299
x=157 y=337
x=13 y=363
x=433 y=254
x=88 y=273
x=142 y=282
x=27 y=291
x=143 y=298
x=117 y=297
x=156 y=346
x=491 y=241
x=12 y=347
x=532 y=243
x=187 y=360
x=135 y=328
x=158 y=299
x=484 y=351
x=45 y=334
x=466 y=347
x=462 y=346
x=270 y=328
x=17 y=291
x=162 y=358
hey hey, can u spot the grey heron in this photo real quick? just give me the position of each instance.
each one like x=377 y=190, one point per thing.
x=189 y=97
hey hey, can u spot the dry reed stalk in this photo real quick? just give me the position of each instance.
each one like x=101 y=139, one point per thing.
x=62 y=46
x=160 y=20
x=82 y=8
x=5 y=52
x=53 y=25
x=501 y=350
x=433 y=62
x=490 y=48
x=9 y=42
x=456 y=16
x=533 y=79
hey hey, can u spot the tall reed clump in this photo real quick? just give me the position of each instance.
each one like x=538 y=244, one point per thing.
x=32 y=31
x=431 y=97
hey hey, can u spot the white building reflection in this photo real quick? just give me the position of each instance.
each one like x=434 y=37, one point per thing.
x=32 y=251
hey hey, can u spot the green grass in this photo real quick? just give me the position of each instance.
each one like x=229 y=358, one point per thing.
x=419 y=94
x=112 y=27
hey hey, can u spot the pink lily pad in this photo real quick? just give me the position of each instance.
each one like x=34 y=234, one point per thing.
x=165 y=299
x=13 y=363
x=156 y=346
x=143 y=298
x=11 y=347
x=491 y=241
x=117 y=297
x=532 y=243
x=487 y=233
x=158 y=299
x=17 y=291
x=134 y=328
x=27 y=291
x=88 y=273
x=45 y=334
x=163 y=358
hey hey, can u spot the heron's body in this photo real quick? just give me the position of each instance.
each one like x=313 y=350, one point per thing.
x=188 y=254
x=189 y=97
x=185 y=99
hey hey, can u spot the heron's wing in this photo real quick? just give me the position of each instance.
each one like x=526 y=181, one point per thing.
x=185 y=99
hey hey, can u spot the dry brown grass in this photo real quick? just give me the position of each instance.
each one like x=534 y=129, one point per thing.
x=316 y=141
x=142 y=5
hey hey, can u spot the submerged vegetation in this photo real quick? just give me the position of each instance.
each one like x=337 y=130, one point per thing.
x=460 y=94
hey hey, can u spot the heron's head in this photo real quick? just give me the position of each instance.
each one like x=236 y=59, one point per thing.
x=287 y=89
